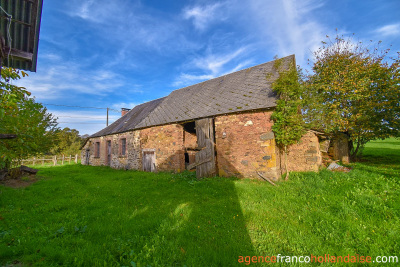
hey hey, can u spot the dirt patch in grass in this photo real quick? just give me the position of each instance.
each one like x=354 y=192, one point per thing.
x=20 y=182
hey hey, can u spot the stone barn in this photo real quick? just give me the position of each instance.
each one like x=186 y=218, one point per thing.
x=218 y=127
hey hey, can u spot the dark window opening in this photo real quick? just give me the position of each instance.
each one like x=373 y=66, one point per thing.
x=186 y=157
x=190 y=127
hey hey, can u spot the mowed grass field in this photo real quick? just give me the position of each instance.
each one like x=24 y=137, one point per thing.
x=96 y=216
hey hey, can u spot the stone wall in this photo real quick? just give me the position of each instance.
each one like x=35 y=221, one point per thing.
x=245 y=144
x=167 y=141
x=131 y=159
x=190 y=143
x=190 y=140
x=305 y=155
x=339 y=148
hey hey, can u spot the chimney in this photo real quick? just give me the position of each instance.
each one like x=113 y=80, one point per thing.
x=124 y=111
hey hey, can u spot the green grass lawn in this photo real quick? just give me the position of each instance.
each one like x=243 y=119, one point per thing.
x=96 y=216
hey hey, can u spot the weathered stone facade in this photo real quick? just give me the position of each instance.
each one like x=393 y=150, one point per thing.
x=132 y=159
x=244 y=144
x=305 y=155
x=339 y=148
x=168 y=143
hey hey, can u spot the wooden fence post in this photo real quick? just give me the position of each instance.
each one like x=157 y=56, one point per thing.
x=43 y=160
x=55 y=160
x=34 y=161
x=76 y=158
x=62 y=161
x=69 y=161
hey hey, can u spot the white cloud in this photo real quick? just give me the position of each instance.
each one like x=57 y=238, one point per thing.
x=88 y=121
x=211 y=66
x=185 y=79
x=214 y=63
x=50 y=57
x=129 y=27
x=203 y=16
x=387 y=30
x=277 y=27
x=287 y=26
x=64 y=79
x=95 y=11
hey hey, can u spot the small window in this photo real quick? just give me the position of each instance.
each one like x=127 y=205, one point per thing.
x=97 y=149
x=123 y=146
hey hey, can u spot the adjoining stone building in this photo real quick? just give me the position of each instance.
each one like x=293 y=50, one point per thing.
x=220 y=127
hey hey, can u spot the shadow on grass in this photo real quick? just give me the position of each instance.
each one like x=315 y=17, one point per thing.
x=124 y=217
x=191 y=222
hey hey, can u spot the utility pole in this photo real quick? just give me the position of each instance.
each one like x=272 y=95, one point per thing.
x=107 y=116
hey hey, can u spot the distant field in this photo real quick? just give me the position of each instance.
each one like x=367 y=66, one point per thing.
x=96 y=216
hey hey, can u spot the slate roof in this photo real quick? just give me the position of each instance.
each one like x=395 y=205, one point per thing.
x=244 y=90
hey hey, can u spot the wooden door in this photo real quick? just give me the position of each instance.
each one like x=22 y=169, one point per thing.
x=87 y=157
x=205 y=158
x=149 y=161
x=108 y=153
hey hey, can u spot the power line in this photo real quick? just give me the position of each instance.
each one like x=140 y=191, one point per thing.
x=80 y=117
x=80 y=122
x=78 y=107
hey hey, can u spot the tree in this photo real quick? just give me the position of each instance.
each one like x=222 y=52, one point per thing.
x=21 y=116
x=288 y=122
x=67 y=142
x=355 y=90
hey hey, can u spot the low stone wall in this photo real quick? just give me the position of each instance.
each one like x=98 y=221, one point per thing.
x=303 y=156
x=339 y=148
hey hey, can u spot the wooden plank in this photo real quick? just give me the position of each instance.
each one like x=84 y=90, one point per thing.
x=19 y=54
x=16 y=21
x=2 y=45
x=32 y=30
x=149 y=161
x=193 y=165
x=8 y=136
x=205 y=158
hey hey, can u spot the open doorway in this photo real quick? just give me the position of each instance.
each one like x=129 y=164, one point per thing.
x=199 y=142
x=190 y=143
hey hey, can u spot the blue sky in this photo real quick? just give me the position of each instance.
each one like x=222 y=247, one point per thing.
x=120 y=53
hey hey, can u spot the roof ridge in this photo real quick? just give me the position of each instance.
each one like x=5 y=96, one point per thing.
x=235 y=72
